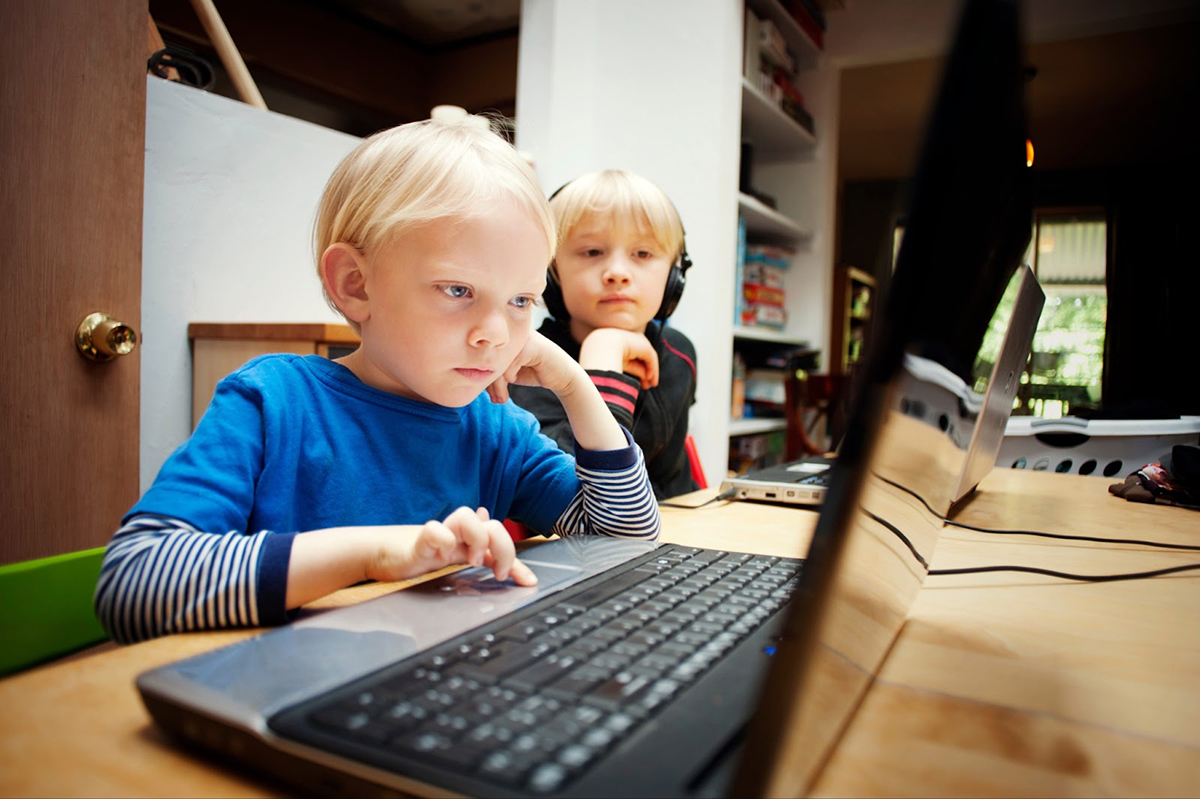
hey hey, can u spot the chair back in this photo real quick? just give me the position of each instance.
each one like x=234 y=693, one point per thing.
x=46 y=608
x=693 y=456
x=814 y=409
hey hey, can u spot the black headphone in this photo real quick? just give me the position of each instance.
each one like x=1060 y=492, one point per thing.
x=672 y=292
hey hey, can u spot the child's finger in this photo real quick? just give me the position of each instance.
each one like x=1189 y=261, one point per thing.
x=472 y=533
x=514 y=372
x=439 y=539
x=498 y=391
x=651 y=371
x=501 y=549
x=639 y=370
x=522 y=574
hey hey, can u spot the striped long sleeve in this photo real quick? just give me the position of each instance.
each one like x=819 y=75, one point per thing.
x=162 y=575
x=612 y=502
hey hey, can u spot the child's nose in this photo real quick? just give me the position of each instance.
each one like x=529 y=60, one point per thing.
x=491 y=330
x=617 y=270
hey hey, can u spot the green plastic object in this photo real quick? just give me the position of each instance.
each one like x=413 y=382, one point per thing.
x=46 y=608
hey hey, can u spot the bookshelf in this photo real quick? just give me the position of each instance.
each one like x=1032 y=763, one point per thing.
x=779 y=150
x=853 y=297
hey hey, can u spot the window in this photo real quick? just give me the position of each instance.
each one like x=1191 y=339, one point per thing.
x=1068 y=253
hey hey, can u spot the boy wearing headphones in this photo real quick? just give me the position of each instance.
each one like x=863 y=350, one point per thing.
x=618 y=273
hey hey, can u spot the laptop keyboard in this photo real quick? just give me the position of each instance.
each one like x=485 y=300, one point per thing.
x=534 y=699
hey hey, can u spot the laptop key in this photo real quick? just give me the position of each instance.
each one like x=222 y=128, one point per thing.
x=618 y=691
x=576 y=684
x=542 y=672
x=609 y=588
x=575 y=755
x=547 y=778
x=504 y=766
x=511 y=657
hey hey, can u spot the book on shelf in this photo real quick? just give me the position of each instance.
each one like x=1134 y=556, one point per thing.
x=788 y=90
x=772 y=47
x=757 y=292
x=798 y=113
x=763 y=297
x=739 y=275
x=807 y=16
x=817 y=11
x=774 y=255
x=770 y=317
x=791 y=101
x=766 y=386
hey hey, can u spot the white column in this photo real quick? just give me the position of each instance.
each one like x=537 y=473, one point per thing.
x=652 y=87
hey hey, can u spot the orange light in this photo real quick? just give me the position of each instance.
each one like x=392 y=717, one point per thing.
x=1028 y=152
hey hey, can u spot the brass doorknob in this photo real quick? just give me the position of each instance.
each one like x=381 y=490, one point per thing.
x=99 y=337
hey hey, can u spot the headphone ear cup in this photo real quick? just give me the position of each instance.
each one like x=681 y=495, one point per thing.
x=552 y=296
x=672 y=293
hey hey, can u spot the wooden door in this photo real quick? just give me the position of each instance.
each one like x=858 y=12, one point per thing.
x=72 y=135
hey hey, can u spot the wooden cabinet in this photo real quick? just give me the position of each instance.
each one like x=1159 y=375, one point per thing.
x=218 y=349
x=853 y=296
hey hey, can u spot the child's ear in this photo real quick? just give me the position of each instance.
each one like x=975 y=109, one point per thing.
x=343 y=271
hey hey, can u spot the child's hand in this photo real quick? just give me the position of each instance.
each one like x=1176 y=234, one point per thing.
x=612 y=349
x=465 y=536
x=541 y=362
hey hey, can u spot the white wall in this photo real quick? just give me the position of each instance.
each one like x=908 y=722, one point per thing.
x=652 y=87
x=231 y=195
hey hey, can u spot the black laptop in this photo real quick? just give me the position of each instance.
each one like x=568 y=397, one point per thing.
x=640 y=670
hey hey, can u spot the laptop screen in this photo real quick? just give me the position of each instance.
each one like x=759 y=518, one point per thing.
x=969 y=221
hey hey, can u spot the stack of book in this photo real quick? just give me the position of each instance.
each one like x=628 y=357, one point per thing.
x=770 y=65
x=762 y=299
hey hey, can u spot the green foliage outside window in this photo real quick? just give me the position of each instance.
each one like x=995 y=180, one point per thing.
x=1066 y=367
x=1072 y=328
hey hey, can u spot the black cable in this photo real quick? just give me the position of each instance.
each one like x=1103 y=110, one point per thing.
x=723 y=495
x=1064 y=536
x=1091 y=578
x=1134 y=541
x=902 y=537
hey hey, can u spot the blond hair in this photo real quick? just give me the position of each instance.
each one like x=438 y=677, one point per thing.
x=616 y=193
x=420 y=172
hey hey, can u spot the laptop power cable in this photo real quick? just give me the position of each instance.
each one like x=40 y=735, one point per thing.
x=724 y=495
x=1091 y=578
x=1065 y=536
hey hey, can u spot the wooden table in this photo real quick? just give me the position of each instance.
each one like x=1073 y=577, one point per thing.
x=1002 y=684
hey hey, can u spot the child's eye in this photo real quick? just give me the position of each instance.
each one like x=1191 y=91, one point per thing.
x=593 y=252
x=524 y=302
x=643 y=254
x=455 y=290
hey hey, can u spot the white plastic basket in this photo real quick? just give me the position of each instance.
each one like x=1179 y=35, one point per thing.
x=1107 y=447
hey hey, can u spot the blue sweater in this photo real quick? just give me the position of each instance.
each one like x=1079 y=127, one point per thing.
x=294 y=443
